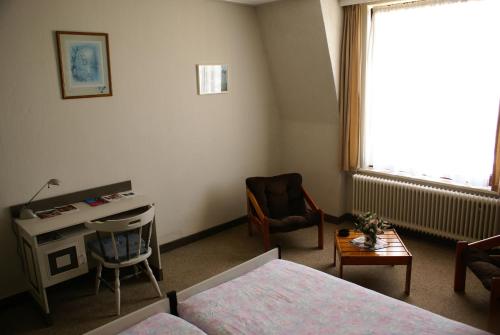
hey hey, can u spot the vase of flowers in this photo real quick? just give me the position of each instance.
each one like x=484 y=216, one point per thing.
x=370 y=224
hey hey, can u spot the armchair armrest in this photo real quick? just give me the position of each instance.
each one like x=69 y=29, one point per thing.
x=309 y=200
x=486 y=243
x=255 y=205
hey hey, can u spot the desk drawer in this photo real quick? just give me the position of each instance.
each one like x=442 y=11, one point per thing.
x=62 y=260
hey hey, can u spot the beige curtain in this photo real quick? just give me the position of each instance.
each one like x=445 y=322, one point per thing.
x=495 y=178
x=350 y=86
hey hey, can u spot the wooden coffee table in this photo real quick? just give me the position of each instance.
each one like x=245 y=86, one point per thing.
x=395 y=253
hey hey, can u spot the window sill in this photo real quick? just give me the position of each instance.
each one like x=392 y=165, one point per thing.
x=439 y=183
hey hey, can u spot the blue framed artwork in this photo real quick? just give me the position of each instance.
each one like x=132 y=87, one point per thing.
x=84 y=67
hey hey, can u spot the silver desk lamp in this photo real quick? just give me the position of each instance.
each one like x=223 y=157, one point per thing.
x=26 y=212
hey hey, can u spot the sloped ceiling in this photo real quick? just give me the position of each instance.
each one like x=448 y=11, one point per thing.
x=302 y=72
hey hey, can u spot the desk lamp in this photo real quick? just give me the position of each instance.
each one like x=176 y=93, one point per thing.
x=27 y=213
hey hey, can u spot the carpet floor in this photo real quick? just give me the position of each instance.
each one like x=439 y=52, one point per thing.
x=76 y=309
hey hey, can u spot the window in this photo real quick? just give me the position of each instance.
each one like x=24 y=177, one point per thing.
x=433 y=89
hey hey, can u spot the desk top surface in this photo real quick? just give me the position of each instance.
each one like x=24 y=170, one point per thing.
x=37 y=226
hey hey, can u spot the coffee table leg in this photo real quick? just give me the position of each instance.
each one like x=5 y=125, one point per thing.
x=341 y=268
x=408 y=277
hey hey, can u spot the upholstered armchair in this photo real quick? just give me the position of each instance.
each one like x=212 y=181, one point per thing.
x=483 y=258
x=278 y=204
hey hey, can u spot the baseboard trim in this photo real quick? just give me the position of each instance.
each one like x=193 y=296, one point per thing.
x=233 y=223
x=16 y=299
x=339 y=219
x=202 y=234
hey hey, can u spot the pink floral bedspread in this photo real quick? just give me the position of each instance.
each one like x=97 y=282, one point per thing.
x=282 y=297
x=163 y=324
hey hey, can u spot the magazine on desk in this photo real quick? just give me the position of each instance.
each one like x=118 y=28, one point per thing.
x=48 y=213
x=59 y=210
x=118 y=196
x=66 y=209
x=112 y=197
x=95 y=201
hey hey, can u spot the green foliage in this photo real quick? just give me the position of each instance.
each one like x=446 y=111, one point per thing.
x=370 y=224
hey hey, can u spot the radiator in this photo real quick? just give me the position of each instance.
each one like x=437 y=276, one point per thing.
x=438 y=211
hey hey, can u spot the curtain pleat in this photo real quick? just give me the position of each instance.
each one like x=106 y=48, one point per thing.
x=350 y=87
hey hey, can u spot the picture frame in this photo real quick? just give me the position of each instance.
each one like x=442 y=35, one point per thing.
x=212 y=78
x=84 y=64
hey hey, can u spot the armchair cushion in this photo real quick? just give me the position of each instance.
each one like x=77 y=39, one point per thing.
x=483 y=266
x=294 y=222
x=279 y=196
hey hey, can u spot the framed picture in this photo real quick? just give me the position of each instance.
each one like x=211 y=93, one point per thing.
x=84 y=66
x=212 y=79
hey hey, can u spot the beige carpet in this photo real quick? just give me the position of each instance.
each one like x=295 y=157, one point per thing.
x=76 y=309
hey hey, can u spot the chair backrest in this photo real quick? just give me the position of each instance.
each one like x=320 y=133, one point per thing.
x=279 y=196
x=135 y=230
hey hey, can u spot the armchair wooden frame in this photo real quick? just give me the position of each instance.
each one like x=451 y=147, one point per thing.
x=460 y=269
x=260 y=220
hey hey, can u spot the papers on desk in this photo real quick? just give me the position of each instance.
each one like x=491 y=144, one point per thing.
x=117 y=196
x=49 y=213
x=112 y=197
x=66 y=209
x=93 y=202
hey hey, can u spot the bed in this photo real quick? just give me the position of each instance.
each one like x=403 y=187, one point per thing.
x=267 y=295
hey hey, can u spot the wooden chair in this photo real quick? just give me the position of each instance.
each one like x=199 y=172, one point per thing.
x=278 y=204
x=122 y=243
x=476 y=257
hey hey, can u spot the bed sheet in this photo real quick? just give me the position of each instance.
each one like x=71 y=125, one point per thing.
x=163 y=324
x=282 y=297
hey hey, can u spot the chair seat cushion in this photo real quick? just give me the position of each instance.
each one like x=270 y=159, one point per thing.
x=294 y=222
x=483 y=266
x=121 y=246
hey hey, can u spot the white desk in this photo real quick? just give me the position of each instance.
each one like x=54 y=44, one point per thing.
x=48 y=261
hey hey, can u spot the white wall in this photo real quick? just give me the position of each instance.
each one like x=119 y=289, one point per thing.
x=189 y=153
x=299 y=51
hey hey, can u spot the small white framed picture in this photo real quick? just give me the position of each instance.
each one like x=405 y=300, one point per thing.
x=212 y=79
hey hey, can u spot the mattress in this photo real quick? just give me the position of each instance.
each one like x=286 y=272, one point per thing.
x=282 y=297
x=163 y=324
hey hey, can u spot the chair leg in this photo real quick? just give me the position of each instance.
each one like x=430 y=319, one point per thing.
x=98 y=278
x=152 y=278
x=460 y=270
x=117 y=290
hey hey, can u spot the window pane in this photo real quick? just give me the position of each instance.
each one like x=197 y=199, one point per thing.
x=433 y=89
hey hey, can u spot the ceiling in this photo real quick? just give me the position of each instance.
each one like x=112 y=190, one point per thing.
x=251 y=2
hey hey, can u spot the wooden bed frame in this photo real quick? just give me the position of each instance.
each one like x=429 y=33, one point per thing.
x=169 y=304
